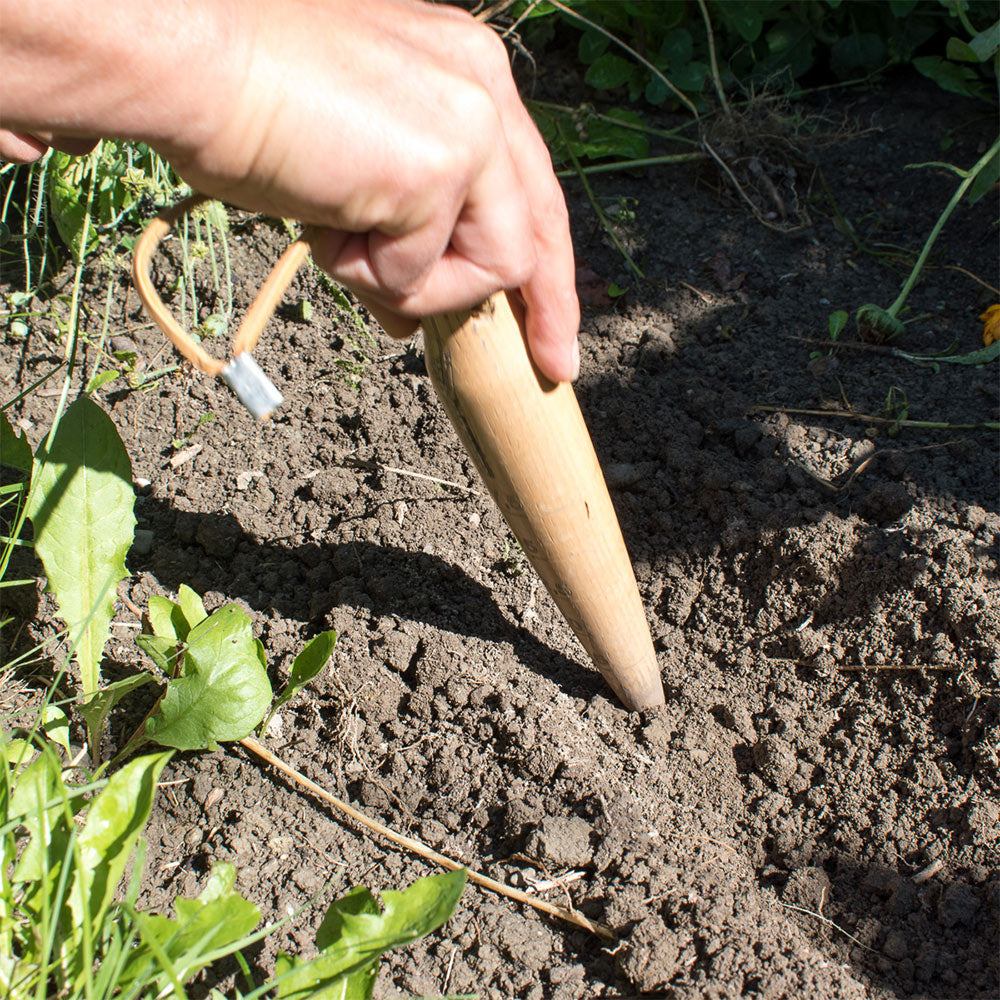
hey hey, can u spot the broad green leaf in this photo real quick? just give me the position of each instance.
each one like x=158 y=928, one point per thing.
x=67 y=177
x=959 y=50
x=791 y=45
x=192 y=608
x=987 y=43
x=166 y=618
x=677 y=47
x=741 y=18
x=950 y=76
x=656 y=91
x=314 y=657
x=114 y=821
x=609 y=71
x=836 y=323
x=354 y=935
x=55 y=725
x=690 y=77
x=900 y=8
x=81 y=505
x=163 y=652
x=38 y=801
x=172 y=620
x=14 y=448
x=99 y=380
x=224 y=691
x=591 y=45
x=984 y=46
x=218 y=917
x=593 y=137
x=96 y=710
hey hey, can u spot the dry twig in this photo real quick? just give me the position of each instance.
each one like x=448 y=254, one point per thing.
x=421 y=849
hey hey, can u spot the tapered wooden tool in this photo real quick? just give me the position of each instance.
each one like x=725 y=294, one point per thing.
x=531 y=446
x=526 y=436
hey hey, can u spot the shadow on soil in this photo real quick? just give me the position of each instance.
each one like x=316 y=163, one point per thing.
x=914 y=937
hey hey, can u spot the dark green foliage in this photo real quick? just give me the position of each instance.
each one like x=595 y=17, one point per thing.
x=951 y=41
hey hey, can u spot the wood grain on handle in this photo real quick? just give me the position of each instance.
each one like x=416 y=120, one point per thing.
x=531 y=446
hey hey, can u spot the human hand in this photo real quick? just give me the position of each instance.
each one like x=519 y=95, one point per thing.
x=397 y=128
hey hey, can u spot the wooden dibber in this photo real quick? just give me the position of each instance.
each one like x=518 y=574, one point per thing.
x=531 y=446
x=526 y=436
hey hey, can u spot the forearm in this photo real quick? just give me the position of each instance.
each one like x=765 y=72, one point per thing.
x=143 y=69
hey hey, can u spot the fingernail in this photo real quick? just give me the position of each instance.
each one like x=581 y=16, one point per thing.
x=576 y=361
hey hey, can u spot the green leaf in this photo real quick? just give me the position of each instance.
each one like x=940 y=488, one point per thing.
x=192 y=607
x=950 y=76
x=171 y=623
x=900 y=8
x=836 y=323
x=224 y=691
x=987 y=177
x=96 y=710
x=987 y=43
x=690 y=78
x=166 y=618
x=99 y=380
x=315 y=655
x=38 y=800
x=593 y=137
x=791 y=45
x=15 y=451
x=162 y=651
x=741 y=18
x=217 y=918
x=879 y=320
x=591 y=45
x=981 y=357
x=55 y=725
x=81 y=505
x=67 y=176
x=354 y=935
x=677 y=47
x=609 y=71
x=114 y=821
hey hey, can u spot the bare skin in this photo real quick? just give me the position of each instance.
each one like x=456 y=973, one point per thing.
x=393 y=124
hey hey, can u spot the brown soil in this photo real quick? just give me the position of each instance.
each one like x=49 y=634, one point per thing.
x=829 y=641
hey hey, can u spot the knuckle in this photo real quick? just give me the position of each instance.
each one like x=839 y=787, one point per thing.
x=490 y=54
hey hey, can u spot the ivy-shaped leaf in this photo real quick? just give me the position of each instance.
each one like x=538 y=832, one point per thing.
x=223 y=692
x=608 y=71
x=81 y=505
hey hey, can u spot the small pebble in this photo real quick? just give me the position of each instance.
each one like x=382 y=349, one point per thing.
x=142 y=543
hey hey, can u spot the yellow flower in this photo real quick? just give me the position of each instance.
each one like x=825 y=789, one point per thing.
x=991 y=325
